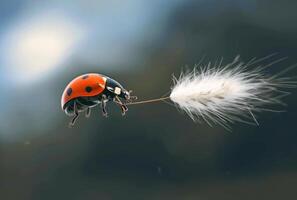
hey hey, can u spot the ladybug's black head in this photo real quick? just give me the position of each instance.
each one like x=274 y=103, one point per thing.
x=124 y=94
x=127 y=95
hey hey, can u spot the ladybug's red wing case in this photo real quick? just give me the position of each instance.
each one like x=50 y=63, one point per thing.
x=87 y=85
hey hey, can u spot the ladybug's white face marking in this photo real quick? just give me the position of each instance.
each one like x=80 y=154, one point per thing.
x=117 y=90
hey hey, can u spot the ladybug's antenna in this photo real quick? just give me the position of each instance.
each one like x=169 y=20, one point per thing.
x=148 y=101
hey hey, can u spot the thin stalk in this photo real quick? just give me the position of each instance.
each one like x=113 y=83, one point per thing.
x=148 y=101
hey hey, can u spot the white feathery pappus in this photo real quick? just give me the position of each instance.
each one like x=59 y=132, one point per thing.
x=231 y=93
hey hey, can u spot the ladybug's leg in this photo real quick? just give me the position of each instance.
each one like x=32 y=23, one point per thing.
x=103 y=105
x=75 y=115
x=88 y=112
x=124 y=108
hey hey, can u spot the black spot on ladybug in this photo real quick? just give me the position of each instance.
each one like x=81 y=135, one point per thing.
x=85 y=76
x=88 y=89
x=69 y=91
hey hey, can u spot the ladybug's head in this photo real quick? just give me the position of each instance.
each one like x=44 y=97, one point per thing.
x=125 y=94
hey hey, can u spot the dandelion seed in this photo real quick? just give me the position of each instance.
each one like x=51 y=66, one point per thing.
x=224 y=95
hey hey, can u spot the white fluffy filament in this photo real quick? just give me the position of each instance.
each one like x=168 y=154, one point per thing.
x=225 y=94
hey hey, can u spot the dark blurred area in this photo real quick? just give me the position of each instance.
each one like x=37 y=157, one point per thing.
x=154 y=152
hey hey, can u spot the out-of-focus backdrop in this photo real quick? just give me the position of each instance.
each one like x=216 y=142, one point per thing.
x=155 y=152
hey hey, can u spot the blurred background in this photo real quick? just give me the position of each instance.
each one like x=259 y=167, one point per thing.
x=154 y=152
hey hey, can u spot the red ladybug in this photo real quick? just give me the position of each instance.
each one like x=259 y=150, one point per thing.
x=89 y=90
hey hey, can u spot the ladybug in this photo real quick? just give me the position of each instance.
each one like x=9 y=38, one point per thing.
x=89 y=90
